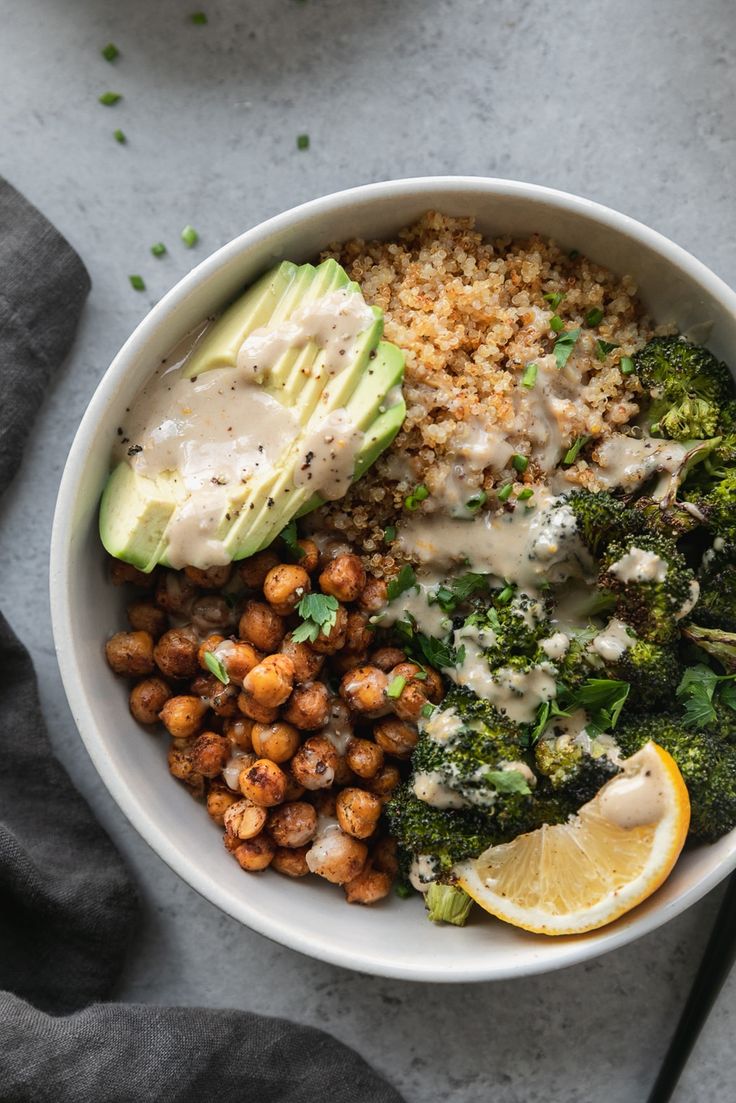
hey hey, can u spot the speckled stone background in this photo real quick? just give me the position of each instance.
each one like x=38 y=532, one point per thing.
x=630 y=102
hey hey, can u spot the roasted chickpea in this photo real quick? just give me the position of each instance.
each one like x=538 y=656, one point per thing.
x=236 y=763
x=144 y=616
x=433 y=686
x=325 y=802
x=285 y=586
x=253 y=571
x=209 y=645
x=307 y=663
x=384 y=856
x=291 y=861
x=270 y=682
x=345 y=661
x=210 y=753
x=278 y=741
x=395 y=737
x=374 y=596
x=413 y=697
x=176 y=653
x=263 y=783
x=358 y=636
x=370 y=886
x=343 y=774
x=308 y=707
x=147 y=698
x=292 y=824
x=293 y=789
x=213 y=578
x=238 y=660
x=386 y=658
x=255 y=854
x=336 y=857
x=309 y=559
x=124 y=573
x=239 y=731
x=211 y=614
x=344 y=577
x=330 y=549
x=180 y=766
x=364 y=691
x=182 y=716
x=219 y=799
x=385 y=781
x=175 y=593
x=248 y=705
x=262 y=627
x=222 y=699
x=358 y=812
x=327 y=643
x=364 y=757
x=315 y=763
x=244 y=820
x=130 y=653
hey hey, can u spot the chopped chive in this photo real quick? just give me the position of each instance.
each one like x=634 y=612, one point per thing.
x=198 y=17
x=216 y=667
x=554 y=298
x=158 y=249
x=520 y=462
x=564 y=346
x=529 y=378
x=427 y=710
x=572 y=453
x=396 y=687
x=389 y=534
x=189 y=236
x=418 y=494
x=556 y=323
x=504 y=493
x=524 y=494
x=110 y=52
x=302 y=141
x=137 y=283
x=505 y=596
x=477 y=501
x=602 y=349
x=626 y=365
x=108 y=99
x=574 y=254
x=119 y=136
x=594 y=317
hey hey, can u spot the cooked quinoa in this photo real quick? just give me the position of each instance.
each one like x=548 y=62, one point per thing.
x=470 y=315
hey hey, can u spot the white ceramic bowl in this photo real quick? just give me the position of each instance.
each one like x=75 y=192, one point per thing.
x=393 y=939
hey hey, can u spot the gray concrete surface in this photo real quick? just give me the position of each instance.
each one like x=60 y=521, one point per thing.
x=628 y=102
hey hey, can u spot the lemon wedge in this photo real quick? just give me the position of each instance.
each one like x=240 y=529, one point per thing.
x=576 y=876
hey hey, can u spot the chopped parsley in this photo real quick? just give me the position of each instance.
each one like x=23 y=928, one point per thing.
x=601 y=698
x=119 y=136
x=438 y=653
x=529 y=378
x=189 y=236
x=457 y=590
x=396 y=686
x=572 y=453
x=505 y=596
x=158 y=249
x=215 y=667
x=109 y=99
x=554 y=298
x=302 y=141
x=389 y=534
x=507 y=781
x=700 y=690
x=199 y=18
x=417 y=496
x=477 y=501
x=564 y=345
x=318 y=613
x=602 y=349
x=405 y=579
x=110 y=52
x=137 y=283
x=594 y=317
x=291 y=538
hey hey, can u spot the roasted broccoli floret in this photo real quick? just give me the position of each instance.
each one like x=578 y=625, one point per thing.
x=717 y=577
x=716 y=642
x=652 y=671
x=652 y=583
x=688 y=387
x=449 y=835
x=674 y=519
x=601 y=519
x=707 y=764
x=570 y=769
x=447 y=904
x=510 y=629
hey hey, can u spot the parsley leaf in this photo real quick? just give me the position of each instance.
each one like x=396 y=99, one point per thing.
x=319 y=613
x=700 y=690
x=452 y=594
x=438 y=653
x=602 y=349
x=507 y=781
x=216 y=667
x=564 y=345
x=405 y=579
x=602 y=699
x=554 y=298
x=290 y=537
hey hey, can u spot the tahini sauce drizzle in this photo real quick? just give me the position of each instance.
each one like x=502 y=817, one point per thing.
x=637 y=797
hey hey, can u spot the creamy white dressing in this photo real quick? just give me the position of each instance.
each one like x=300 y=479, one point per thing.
x=414 y=602
x=430 y=787
x=233 y=767
x=556 y=645
x=443 y=725
x=639 y=565
x=328 y=454
x=690 y=601
x=613 y=640
x=519 y=767
x=338 y=730
x=515 y=693
x=636 y=797
x=422 y=872
x=627 y=461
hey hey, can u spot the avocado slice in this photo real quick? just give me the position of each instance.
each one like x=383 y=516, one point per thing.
x=136 y=509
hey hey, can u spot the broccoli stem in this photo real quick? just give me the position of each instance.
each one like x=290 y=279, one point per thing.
x=447 y=904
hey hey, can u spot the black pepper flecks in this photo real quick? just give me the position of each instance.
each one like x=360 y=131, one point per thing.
x=135 y=449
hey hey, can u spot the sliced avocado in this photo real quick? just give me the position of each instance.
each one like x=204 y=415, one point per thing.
x=134 y=513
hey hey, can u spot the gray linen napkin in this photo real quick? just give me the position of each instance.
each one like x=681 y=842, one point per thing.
x=67 y=905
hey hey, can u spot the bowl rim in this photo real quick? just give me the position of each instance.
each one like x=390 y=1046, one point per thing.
x=274 y=927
